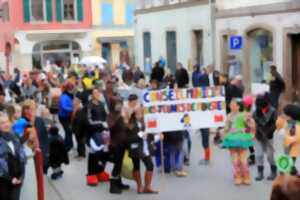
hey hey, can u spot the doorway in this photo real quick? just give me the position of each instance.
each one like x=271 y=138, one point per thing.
x=295 y=41
x=197 y=48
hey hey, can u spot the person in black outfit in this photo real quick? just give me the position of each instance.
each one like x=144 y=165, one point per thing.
x=181 y=76
x=58 y=154
x=117 y=128
x=265 y=117
x=12 y=162
x=157 y=73
x=277 y=87
x=79 y=124
x=96 y=124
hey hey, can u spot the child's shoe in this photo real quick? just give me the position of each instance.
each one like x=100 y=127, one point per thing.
x=237 y=180
x=247 y=180
x=103 y=176
x=92 y=180
x=55 y=176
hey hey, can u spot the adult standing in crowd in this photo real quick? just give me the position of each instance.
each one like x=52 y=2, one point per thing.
x=12 y=162
x=158 y=73
x=277 y=86
x=65 y=113
x=181 y=76
x=265 y=117
x=117 y=127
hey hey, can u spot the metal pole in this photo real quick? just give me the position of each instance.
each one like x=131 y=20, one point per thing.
x=213 y=29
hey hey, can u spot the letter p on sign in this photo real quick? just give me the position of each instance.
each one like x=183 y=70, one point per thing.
x=236 y=42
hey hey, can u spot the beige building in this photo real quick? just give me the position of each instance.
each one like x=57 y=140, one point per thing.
x=270 y=32
x=113 y=30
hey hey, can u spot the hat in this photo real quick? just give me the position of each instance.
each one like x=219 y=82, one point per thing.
x=132 y=97
x=292 y=111
x=247 y=100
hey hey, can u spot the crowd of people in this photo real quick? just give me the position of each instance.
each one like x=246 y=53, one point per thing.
x=108 y=126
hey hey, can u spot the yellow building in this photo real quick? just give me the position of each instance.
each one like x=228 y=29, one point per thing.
x=113 y=30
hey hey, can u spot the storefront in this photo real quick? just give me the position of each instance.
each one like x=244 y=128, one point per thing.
x=269 y=37
x=39 y=49
x=59 y=52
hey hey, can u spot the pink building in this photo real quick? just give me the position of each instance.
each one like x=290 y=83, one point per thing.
x=34 y=33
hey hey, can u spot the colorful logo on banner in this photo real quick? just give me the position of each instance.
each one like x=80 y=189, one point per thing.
x=179 y=109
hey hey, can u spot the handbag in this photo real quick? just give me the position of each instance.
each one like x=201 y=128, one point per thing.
x=127 y=167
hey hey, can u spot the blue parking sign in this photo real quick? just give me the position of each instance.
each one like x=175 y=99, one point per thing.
x=236 y=42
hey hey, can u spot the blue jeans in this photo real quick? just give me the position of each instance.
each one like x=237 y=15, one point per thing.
x=176 y=156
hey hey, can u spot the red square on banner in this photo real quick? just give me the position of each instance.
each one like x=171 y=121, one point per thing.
x=152 y=123
x=219 y=118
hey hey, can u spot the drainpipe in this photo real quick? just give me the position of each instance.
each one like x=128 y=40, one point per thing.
x=212 y=9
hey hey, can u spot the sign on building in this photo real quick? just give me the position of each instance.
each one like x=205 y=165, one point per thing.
x=236 y=42
x=182 y=109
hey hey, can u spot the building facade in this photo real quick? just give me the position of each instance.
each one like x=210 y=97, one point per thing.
x=113 y=30
x=35 y=33
x=176 y=30
x=270 y=32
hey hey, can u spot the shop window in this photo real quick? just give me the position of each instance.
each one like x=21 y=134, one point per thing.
x=171 y=50
x=107 y=13
x=261 y=55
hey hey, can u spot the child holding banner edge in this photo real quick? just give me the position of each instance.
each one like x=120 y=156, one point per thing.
x=238 y=138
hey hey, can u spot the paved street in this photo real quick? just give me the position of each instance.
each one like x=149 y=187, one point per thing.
x=205 y=183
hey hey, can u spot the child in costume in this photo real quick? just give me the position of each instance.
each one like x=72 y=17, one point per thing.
x=238 y=138
x=290 y=122
x=97 y=158
x=58 y=154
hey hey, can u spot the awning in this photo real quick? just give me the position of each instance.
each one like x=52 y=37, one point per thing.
x=113 y=39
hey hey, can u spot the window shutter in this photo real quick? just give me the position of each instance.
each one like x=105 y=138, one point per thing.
x=49 y=10
x=58 y=11
x=79 y=10
x=26 y=10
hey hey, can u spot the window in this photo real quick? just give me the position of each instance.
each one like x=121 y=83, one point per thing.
x=130 y=13
x=4 y=12
x=107 y=13
x=171 y=50
x=147 y=52
x=37 y=10
x=69 y=10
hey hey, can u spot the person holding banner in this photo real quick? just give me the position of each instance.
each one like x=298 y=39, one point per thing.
x=141 y=148
x=238 y=138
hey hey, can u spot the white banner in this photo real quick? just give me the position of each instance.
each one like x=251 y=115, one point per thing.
x=183 y=109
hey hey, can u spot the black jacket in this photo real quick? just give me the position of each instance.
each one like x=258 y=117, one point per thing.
x=57 y=151
x=79 y=123
x=181 y=78
x=265 y=124
x=158 y=74
x=117 y=128
x=96 y=116
x=277 y=85
x=12 y=165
